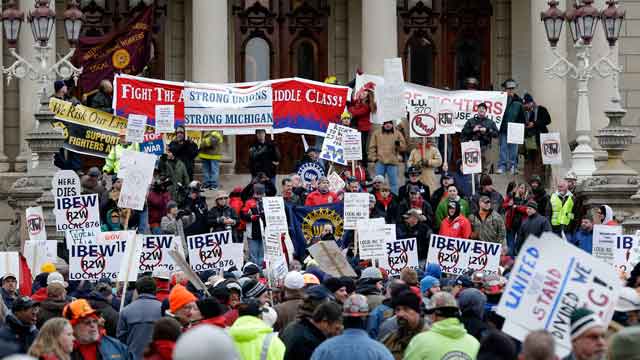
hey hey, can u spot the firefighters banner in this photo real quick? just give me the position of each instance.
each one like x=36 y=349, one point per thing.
x=227 y=108
x=550 y=279
x=77 y=212
x=214 y=251
x=457 y=256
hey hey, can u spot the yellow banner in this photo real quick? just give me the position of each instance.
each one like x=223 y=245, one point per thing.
x=86 y=116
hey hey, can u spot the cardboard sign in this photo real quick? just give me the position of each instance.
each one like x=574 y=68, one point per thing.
x=352 y=144
x=401 y=253
x=65 y=183
x=214 y=251
x=356 y=207
x=77 y=212
x=155 y=252
x=135 y=128
x=330 y=259
x=272 y=246
x=10 y=264
x=95 y=261
x=35 y=223
x=550 y=148
x=165 y=118
x=81 y=237
x=336 y=183
x=129 y=263
x=471 y=157
x=515 y=133
x=456 y=256
x=274 y=215
x=39 y=252
x=138 y=175
x=333 y=144
x=551 y=278
x=604 y=245
x=372 y=238
x=392 y=97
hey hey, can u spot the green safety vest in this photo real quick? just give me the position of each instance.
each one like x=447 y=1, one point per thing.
x=561 y=214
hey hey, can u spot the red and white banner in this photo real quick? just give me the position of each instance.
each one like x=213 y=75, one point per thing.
x=140 y=96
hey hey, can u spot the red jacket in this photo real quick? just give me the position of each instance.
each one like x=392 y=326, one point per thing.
x=235 y=202
x=160 y=350
x=459 y=227
x=361 y=115
x=510 y=212
x=157 y=204
x=40 y=295
x=318 y=198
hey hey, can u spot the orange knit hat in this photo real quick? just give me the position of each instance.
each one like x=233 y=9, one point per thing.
x=179 y=297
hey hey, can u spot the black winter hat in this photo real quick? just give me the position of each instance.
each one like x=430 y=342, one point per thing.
x=407 y=298
x=333 y=284
x=210 y=308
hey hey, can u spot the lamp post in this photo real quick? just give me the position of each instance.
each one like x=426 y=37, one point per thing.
x=582 y=21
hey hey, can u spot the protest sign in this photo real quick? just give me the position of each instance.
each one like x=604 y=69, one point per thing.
x=401 y=253
x=227 y=108
x=155 y=252
x=65 y=183
x=422 y=124
x=138 y=173
x=392 y=97
x=214 y=251
x=165 y=118
x=139 y=95
x=310 y=171
x=625 y=253
x=86 y=140
x=95 y=261
x=605 y=244
x=330 y=259
x=552 y=278
x=551 y=149
x=633 y=254
x=135 y=128
x=130 y=260
x=335 y=183
x=333 y=151
x=77 y=212
x=272 y=246
x=515 y=133
x=456 y=256
x=35 y=223
x=471 y=157
x=10 y=264
x=39 y=252
x=274 y=214
x=81 y=237
x=371 y=238
x=193 y=135
x=153 y=143
x=356 y=207
x=86 y=116
x=352 y=144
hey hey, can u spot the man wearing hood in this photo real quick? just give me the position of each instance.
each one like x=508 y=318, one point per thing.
x=410 y=323
x=472 y=303
x=370 y=285
x=452 y=196
x=385 y=150
x=447 y=337
x=604 y=214
x=539 y=194
x=455 y=224
x=561 y=208
x=20 y=324
x=254 y=339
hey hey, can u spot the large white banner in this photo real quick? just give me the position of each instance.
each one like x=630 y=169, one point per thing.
x=39 y=252
x=138 y=176
x=227 y=108
x=77 y=212
x=356 y=207
x=456 y=256
x=550 y=279
x=95 y=261
x=214 y=251
x=401 y=253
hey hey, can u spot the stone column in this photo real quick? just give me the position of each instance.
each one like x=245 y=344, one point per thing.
x=379 y=34
x=547 y=91
x=4 y=163
x=29 y=102
x=210 y=52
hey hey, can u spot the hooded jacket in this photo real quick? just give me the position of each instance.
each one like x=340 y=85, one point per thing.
x=16 y=332
x=50 y=309
x=445 y=339
x=108 y=225
x=301 y=338
x=457 y=226
x=248 y=334
x=441 y=210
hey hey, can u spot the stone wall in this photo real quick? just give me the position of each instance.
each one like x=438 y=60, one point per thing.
x=629 y=52
x=501 y=42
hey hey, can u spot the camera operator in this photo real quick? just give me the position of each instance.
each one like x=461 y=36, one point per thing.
x=222 y=217
x=252 y=213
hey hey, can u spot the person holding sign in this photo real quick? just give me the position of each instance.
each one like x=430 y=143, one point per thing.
x=112 y=162
x=513 y=113
x=480 y=128
x=536 y=120
x=385 y=148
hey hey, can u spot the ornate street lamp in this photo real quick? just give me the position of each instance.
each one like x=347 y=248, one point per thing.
x=553 y=19
x=73 y=20
x=612 y=18
x=42 y=20
x=570 y=15
x=586 y=20
x=12 y=18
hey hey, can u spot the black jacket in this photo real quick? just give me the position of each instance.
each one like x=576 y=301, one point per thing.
x=540 y=118
x=50 y=309
x=468 y=134
x=216 y=214
x=301 y=338
x=403 y=193
x=542 y=198
x=533 y=225
x=269 y=189
x=186 y=152
x=15 y=332
x=106 y=311
x=391 y=211
x=474 y=325
x=261 y=158
x=199 y=208
x=427 y=211
x=421 y=232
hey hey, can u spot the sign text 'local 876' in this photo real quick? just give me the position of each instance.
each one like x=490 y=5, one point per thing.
x=77 y=212
x=214 y=251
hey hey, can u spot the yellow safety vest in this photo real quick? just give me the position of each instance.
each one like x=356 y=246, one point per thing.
x=561 y=214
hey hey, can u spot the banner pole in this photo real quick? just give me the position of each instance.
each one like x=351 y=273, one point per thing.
x=126 y=271
x=473 y=184
x=446 y=160
x=353 y=168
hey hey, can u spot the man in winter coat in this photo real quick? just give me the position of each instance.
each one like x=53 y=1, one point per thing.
x=321 y=196
x=174 y=170
x=103 y=99
x=264 y=156
x=417 y=202
x=293 y=294
x=539 y=194
x=222 y=216
x=197 y=204
x=480 y=128
x=536 y=120
x=588 y=336
x=100 y=299
x=447 y=336
x=414 y=182
x=9 y=289
x=514 y=113
x=472 y=304
x=302 y=337
x=385 y=148
x=211 y=154
x=387 y=203
x=415 y=225
x=410 y=323
x=252 y=213
x=157 y=201
x=583 y=237
x=54 y=303
x=370 y=285
x=20 y=324
x=487 y=189
x=184 y=150
x=254 y=339
x=535 y=224
x=487 y=225
x=90 y=344
x=112 y=162
x=455 y=224
x=135 y=326
x=426 y=158
x=175 y=221
x=452 y=195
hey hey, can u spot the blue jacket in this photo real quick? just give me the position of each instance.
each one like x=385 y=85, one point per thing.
x=135 y=327
x=381 y=313
x=110 y=349
x=353 y=344
x=16 y=332
x=583 y=240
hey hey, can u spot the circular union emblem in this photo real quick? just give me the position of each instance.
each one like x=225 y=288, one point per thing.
x=313 y=223
x=121 y=59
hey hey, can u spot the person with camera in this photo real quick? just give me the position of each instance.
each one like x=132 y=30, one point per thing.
x=253 y=214
x=387 y=145
x=174 y=170
x=197 y=204
x=223 y=217
x=175 y=221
